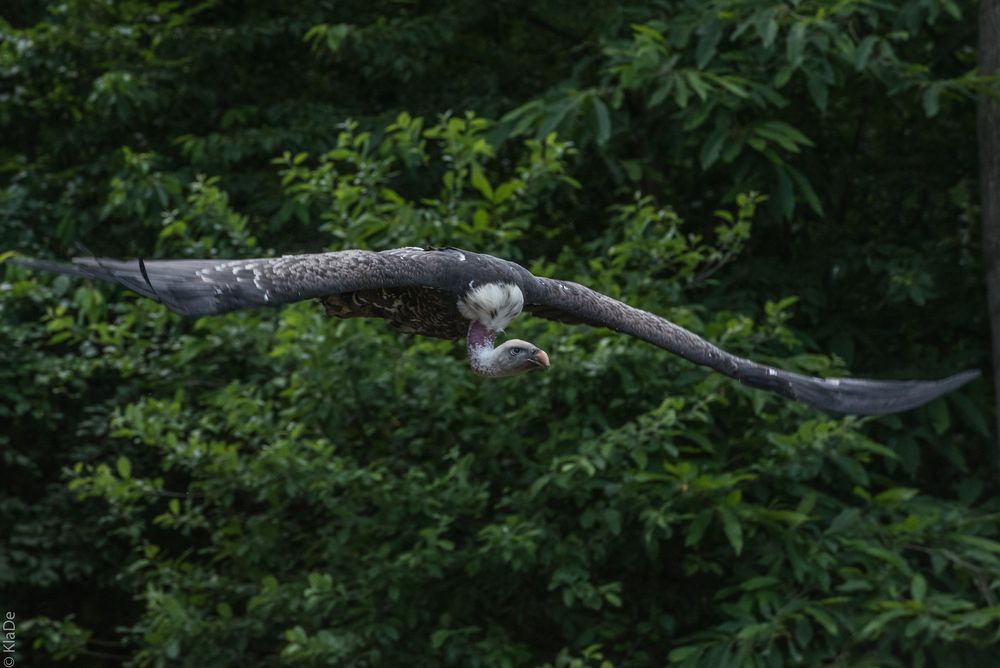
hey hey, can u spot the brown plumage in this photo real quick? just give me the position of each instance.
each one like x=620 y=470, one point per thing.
x=422 y=311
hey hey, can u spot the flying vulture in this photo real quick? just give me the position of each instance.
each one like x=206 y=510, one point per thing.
x=449 y=293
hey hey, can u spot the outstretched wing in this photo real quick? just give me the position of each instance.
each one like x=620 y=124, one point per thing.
x=571 y=302
x=210 y=287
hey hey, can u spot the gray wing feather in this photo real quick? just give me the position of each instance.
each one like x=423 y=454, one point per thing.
x=210 y=287
x=566 y=301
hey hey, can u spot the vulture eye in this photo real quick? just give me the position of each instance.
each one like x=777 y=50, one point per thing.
x=514 y=352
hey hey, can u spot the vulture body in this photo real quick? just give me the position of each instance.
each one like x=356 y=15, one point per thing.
x=449 y=293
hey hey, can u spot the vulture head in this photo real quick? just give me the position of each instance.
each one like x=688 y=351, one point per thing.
x=510 y=358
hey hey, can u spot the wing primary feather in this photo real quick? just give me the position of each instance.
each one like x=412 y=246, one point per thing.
x=568 y=302
x=145 y=275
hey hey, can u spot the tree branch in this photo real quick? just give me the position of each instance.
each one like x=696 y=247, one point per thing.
x=988 y=134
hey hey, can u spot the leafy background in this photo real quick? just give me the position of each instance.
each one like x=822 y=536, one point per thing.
x=794 y=180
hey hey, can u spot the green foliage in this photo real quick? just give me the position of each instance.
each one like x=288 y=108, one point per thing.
x=730 y=78
x=278 y=488
x=351 y=190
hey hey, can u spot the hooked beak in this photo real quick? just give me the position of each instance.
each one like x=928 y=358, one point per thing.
x=540 y=358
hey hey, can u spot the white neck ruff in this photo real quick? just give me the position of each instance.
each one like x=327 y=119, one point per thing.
x=493 y=305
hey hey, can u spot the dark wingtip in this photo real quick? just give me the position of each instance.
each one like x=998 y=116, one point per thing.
x=964 y=377
x=872 y=397
x=49 y=266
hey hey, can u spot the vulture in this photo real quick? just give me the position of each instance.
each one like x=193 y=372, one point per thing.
x=450 y=293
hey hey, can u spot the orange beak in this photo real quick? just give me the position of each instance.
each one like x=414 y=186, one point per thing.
x=541 y=358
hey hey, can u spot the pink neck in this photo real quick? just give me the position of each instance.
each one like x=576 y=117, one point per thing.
x=480 y=345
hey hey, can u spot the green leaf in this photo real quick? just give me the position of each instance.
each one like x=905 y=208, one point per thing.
x=979 y=542
x=684 y=653
x=661 y=93
x=613 y=518
x=783 y=75
x=712 y=147
x=808 y=501
x=633 y=170
x=872 y=628
x=864 y=52
x=786 y=516
x=697 y=528
x=682 y=92
x=555 y=114
x=972 y=415
x=918 y=587
x=755 y=630
x=782 y=196
x=731 y=527
x=796 y=44
x=885 y=555
x=506 y=190
x=698 y=85
x=602 y=121
x=940 y=418
x=481 y=219
x=124 y=467
x=707 y=43
x=819 y=90
x=439 y=637
x=824 y=618
x=480 y=183
x=769 y=31
x=932 y=99
x=895 y=495
x=787 y=135
x=805 y=187
x=759 y=582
